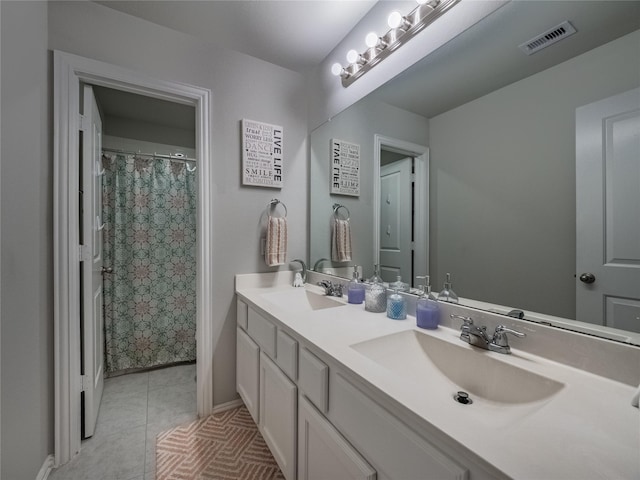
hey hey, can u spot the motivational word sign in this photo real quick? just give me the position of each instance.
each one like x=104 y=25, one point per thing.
x=345 y=168
x=261 y=154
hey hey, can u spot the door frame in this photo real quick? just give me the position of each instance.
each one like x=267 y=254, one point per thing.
x=420 y=153
x=68 y=73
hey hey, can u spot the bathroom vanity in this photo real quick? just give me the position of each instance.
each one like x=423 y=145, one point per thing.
x=338 y=392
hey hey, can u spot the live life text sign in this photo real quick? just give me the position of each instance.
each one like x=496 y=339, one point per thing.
x=261 y=154
x=345 y=168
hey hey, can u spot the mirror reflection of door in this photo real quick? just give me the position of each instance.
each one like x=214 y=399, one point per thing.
x=608 y=220
x=396 y=217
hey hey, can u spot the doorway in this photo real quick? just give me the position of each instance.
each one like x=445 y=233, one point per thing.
x=70 y=71
x=397 y=212
x=401 y=209
x=139 y=195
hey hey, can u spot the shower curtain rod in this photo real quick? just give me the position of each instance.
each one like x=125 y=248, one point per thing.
x=159 y=155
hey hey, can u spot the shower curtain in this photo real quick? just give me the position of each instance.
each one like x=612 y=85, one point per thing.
x=149 y=208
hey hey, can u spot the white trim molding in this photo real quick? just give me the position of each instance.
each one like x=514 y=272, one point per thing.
x=69 y=72
x=421 y=236
x=46 y=469
x=223 y=407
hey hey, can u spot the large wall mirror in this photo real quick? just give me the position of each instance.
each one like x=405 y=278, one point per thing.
x=499 y=186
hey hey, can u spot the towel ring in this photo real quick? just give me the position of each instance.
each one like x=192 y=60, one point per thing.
x=337 y=207
x=274 y=203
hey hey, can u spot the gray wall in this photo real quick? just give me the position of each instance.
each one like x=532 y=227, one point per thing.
x=27 y=286
x=242 y=87
x=358 y=124
x=503 y=182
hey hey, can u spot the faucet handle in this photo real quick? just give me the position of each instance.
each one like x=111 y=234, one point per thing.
x=500 y=335
x=466 y=327
x=502 y=328
x=467 y=320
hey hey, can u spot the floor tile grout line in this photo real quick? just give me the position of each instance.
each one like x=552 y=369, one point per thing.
x=146 y=431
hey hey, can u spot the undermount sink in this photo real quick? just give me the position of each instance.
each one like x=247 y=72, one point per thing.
x=301 y=300
x=440 y=363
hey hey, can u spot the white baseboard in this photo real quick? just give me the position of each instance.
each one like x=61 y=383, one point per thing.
x=227 y=406
x=46 y=468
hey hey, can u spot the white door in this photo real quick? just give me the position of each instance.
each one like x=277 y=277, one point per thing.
x=608 y=211
x=396 y=220
x=91 y=239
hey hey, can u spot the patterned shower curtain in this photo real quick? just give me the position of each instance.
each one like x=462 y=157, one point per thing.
x=149 y=208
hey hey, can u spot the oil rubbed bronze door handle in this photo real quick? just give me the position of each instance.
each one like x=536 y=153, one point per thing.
x=587 y=278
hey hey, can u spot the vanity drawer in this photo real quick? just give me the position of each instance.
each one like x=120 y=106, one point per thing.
x=287 y=354
x=242 y=313
x=314 y=379
x=262 y=331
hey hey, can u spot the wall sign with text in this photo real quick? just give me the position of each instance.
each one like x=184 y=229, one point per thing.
x=345 y=168
x=262 y=154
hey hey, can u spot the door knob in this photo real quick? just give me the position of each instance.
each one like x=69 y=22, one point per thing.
x=587 y=278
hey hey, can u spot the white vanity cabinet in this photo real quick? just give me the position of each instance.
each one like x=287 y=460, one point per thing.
x=322 y=423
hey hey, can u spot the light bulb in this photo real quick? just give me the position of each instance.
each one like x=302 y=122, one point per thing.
x=422 y=2
x=395 y=19
x=371 y=40
x=336 y=69
x=352 y=56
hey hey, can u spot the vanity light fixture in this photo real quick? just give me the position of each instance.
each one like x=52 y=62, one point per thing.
x=402 y=29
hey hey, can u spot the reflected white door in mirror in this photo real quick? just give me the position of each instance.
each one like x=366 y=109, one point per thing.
x=401 y=209
x=608 y=223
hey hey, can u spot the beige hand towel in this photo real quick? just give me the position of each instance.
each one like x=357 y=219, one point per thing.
x=341 y=240
x=275 y=251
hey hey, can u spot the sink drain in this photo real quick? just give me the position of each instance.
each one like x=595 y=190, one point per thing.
x=463 y=398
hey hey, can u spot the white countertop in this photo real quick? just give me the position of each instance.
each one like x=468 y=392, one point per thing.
x=588 y=430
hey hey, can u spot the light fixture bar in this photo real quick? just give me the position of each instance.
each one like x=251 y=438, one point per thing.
x=413 y=23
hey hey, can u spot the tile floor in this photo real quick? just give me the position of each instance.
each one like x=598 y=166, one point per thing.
x=134 y=409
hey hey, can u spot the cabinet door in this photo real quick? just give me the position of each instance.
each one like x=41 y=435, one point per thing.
x=323 y=453
x=278 y=407
x=248 y=371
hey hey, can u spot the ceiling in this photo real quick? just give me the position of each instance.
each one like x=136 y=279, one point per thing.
x=296 y=35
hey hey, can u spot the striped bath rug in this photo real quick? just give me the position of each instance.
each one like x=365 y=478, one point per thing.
x=226 y=445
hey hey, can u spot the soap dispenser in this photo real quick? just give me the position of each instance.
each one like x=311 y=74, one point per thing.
x=427 y=308
x=399 y=285
x=355 y=288
x=447 y=294
x=396 y=306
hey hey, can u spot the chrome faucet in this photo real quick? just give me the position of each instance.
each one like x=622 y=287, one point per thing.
x=331 y=289
x=304 y=269
x=477 y=336
x=318 y=263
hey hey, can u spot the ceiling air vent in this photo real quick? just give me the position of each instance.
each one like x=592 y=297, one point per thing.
x=547 y=38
